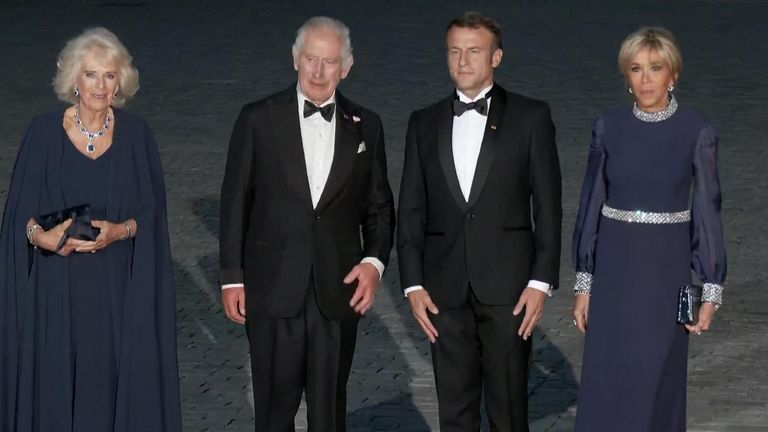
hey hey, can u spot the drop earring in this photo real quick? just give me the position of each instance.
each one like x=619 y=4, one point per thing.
x=77 y=92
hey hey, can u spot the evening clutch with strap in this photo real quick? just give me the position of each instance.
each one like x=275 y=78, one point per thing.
x=688 y=303
x=80 y=228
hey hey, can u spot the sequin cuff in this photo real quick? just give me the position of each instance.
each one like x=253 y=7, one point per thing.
x=583 y=283
x=712 y=293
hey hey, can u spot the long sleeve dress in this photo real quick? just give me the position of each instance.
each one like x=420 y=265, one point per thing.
x=635 y=354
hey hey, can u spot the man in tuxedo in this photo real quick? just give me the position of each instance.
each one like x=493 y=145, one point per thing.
x=305 y=181
x=479 y=231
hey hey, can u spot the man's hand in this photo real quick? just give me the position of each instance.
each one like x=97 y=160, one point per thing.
x=367 y=277
x=533 y=302
x=233 y=300
x=420 y=304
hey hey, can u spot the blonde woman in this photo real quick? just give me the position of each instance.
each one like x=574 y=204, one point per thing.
x=635 y=241
x=87 y=304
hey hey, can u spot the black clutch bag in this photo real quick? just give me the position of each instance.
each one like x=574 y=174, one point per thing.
x=81 y=227
x=688 y=303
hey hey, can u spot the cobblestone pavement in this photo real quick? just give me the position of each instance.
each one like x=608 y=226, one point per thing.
x=200 y=61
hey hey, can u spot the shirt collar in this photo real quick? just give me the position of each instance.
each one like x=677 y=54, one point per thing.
x=465 y=98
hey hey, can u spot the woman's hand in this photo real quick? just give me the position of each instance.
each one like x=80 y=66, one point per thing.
x=108 y=234
x=706 y=313
x=581 y=311
x=51 y=240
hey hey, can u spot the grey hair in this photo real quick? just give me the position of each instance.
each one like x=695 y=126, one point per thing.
x=70 y=64
x=330 y=24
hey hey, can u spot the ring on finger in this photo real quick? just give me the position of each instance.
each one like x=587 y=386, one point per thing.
x=575 y=323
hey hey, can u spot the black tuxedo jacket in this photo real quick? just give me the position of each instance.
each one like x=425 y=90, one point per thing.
x=508 y=232
x=270 y=236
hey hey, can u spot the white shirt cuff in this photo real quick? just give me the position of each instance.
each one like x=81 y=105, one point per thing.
x=376 y=263
x=234 y=285
x=412 y=289
x=541 y=286
x=537 y=285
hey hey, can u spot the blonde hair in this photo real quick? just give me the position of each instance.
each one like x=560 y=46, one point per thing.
x=655 y=39
x=70 y=64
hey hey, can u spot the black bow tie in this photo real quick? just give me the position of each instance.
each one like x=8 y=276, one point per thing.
x=481 y=106
x=326 y=111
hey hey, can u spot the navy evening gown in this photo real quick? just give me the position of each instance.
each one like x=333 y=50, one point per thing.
x=635 y=354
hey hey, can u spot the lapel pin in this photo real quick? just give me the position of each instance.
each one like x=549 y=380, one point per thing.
x=356 y=119
x=493 y=127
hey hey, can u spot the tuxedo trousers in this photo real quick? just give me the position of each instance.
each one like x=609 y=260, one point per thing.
x=479 y=354
x=306 y=353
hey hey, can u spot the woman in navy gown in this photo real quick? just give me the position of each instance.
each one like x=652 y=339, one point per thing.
x=636 y=240
x=87 y=327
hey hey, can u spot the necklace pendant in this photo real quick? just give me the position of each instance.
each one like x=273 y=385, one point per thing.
x=90 y=148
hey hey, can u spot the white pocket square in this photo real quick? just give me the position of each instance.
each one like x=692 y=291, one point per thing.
x=361 y=148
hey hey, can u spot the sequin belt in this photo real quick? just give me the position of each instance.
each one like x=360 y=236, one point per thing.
x=639 y=216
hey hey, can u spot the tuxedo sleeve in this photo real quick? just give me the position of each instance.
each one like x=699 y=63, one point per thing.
x=378 y=224
x=236 y=200
x=546 y=195
x=411 y=214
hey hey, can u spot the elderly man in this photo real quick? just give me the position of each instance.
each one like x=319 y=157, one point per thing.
x=479 y=233
x=305 y=180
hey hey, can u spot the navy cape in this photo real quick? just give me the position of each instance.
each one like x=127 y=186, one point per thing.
x=36 y=383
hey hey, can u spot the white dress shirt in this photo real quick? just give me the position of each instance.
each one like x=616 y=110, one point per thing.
x=318 y=138
x=466 y=141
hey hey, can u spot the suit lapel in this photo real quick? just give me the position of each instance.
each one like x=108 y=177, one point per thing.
x=445 y=151
x=488 y=146
x=287 y=134
x=348 y=138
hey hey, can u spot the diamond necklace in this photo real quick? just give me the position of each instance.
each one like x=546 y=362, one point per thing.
x=655 y=117
x=90 y=148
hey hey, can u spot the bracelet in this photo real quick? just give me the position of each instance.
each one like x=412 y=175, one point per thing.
x=31 y=232
x=128 y=228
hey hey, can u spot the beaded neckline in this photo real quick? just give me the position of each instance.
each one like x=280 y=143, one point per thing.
x=655 y=117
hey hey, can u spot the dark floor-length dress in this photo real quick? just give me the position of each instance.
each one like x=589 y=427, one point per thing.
x=95 y=313
x=87 y=341
x=635 y=355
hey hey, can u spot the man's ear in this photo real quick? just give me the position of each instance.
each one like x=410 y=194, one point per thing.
x=347 y=67
x=295 y=56
x=496 y=58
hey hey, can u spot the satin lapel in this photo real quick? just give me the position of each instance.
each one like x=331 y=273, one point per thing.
x=348 y=139
x=488 y=146
x=286 y=131
x=445 y=151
